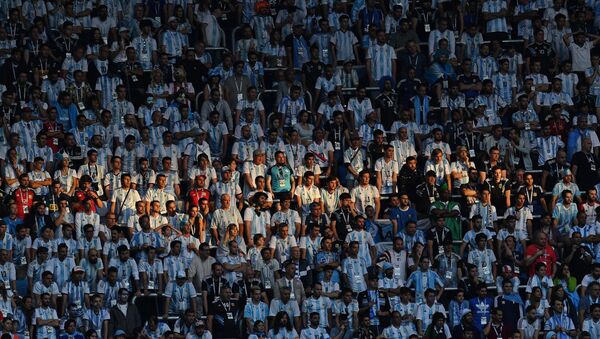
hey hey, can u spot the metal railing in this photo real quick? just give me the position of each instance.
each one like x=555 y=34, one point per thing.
x=199 y=100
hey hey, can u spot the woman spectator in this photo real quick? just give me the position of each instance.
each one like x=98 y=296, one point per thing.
x=517 y=152
x=275 y=55
x=438 y=329
x=415 y=256
x=440 y=72
x=232 y=233
x=7 y=301
x=282 y=327
x=66 y=175
x=158 y=89
x=541 y=305
x=305 y=128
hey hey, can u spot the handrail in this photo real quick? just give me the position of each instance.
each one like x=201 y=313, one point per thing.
x=196 y=100
x=233 y=32
x=269 y=69
x=217 y=49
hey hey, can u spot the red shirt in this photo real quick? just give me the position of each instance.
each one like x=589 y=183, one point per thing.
x=548 y=258
x=24 y=201
x=559 y=128
x=52 y=126
x=196 y=194
x=81 y=196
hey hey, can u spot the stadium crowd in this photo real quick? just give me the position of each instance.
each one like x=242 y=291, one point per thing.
x=299 y=169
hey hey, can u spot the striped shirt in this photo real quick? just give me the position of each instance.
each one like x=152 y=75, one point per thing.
x=538 y=79
x=344 y=43
x=504 y=84
x=323 y=40
x=214 y=33
x=365 y=242
x=435 y=36
x=327 y=111
x=498 y=24
x=484 y=67
x=173 y=42
x=256 y=312
x=320 y=305
x=471 y=44
x=290 y=109
x=81 y=6
x=525 y=26
x=262 y=25
x=382 y=58
x=355 y=269
x=70 y=65
x=360 y=109
x=366 y=130
x=565 y=215
x=96 y=319
x=300 y=50
x=145 y=47
x=75 y=292
x=173 y=264
x=558 y=44
x=47 y=313
x=595 y=86
x=528 y=116
x=514 y=62
x=254 y=72
x=61 y=270
x=569 y=83
x=547 y=148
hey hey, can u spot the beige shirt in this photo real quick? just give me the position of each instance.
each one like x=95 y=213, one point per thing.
x=200 y=270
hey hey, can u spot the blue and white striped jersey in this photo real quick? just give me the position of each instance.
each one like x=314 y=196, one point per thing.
x=344 y=43
x=498 y=24
x=382 y=58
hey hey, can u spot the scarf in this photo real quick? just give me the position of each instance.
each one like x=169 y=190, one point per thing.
x=514 y=297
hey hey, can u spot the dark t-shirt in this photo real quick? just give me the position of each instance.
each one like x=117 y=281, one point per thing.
x=438 y=238
x=587 y=170
x=225 y=319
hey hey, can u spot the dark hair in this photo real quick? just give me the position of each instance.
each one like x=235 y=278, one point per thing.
x=277 y=322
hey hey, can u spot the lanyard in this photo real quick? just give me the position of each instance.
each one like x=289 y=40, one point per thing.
x=498 y=334
x=590 y=158
x=44 y=66
x=387 y=167
x=35 y=47
x=226 y=308
x=79 y=93
x=337 y=133
x=24 y=88
x=432 y=191
x=528 y=195
x=551 y=142
x=24 y=197
x=438 y=240
x=13 y=30
x=217 y=291
x=413 y=62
